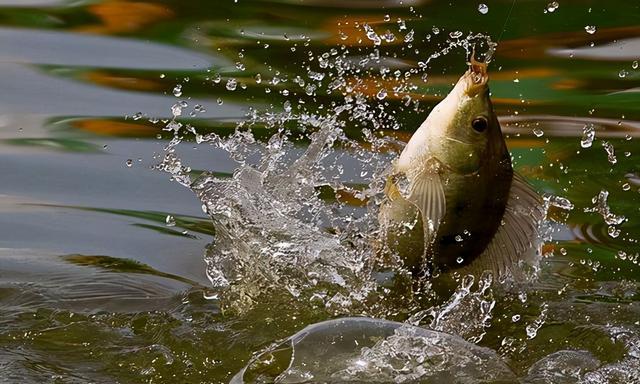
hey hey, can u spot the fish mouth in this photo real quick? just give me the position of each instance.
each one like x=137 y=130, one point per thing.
x=476 y=78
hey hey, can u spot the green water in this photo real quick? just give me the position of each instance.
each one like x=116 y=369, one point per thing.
x=96 y=287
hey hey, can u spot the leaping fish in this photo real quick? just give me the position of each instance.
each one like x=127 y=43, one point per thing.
x=452 y=199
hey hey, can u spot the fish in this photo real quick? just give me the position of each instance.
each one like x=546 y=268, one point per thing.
x=452 y=200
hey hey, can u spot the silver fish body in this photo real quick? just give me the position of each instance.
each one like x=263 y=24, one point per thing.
x=452 y=198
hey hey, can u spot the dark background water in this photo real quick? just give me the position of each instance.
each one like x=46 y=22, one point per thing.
x=94 y=286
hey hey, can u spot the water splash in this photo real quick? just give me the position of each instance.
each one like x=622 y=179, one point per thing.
x=602 y=207
x=467 y=313
x=356 y=350
x=274 y=227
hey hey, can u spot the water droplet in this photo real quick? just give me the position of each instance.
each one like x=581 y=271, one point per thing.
x=611 y=156
x=558 y=202
x=626 y=187
x=129 y=163
x=258 y=78
x=552 y=6
x=588 y=135
x=522 y=296
x=538 y=132
x=240 y=66
x=162 y=75
x=310 y=89
x=483 y=8
x=533 y=328
x=459 y=260
x=372 y=35
x=613 y=231
x=137 y=116
x=170 y=221
x=177 y=90
x=623 y=73
x=601 y=206
x=590 y=29
x=387 y=18
x=409 y=36
x=634 y=65
x=458 y=238
x=455 y=34
x=515 y=318
x=382 y=94
x=231 y=84
x=388 y=37
x=176 y=109
x=219 y=101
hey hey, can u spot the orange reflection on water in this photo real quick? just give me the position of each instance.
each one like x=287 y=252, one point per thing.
x=121 y=16
x=115 y=128
x=122 y=82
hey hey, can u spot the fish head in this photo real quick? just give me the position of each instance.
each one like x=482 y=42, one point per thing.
x=462 y=132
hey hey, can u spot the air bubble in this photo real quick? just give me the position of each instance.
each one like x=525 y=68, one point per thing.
x=483 y=8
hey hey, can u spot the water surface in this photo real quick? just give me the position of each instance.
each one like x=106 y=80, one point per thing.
x=102 y=271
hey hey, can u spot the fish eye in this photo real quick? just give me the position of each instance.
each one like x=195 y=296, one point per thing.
x=480 y=124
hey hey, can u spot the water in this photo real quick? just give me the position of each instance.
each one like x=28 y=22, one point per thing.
x=112 y=270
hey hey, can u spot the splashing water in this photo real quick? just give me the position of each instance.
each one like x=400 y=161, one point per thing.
x=273 y=229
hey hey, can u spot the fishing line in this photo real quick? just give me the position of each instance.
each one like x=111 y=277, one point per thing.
x=504 y=26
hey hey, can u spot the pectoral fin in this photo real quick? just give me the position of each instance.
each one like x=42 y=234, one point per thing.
x=427 y=193
x=515 y=239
